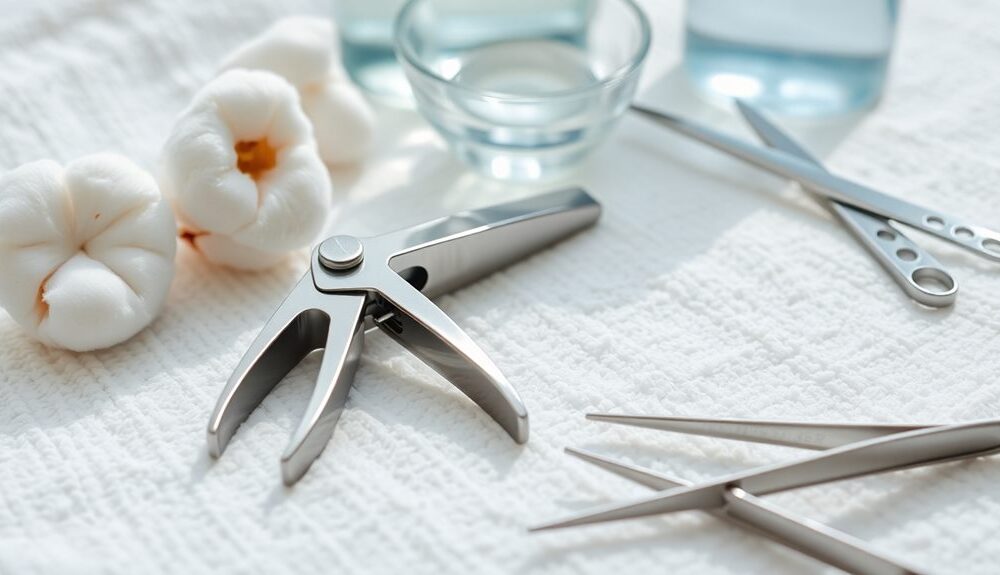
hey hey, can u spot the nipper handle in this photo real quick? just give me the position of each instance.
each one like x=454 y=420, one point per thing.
x=457 y=250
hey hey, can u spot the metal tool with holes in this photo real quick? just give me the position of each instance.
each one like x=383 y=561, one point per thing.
x=850 y=450
x=871 y=216
x=384 y=282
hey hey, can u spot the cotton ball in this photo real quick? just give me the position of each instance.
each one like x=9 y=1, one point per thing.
x=295 y=49
x=87 y=251
x=301 y=49
x=343 y=121
x=242 y=169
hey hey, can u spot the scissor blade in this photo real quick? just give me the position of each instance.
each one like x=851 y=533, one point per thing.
x=428 y=333
x=758 y=516
x=980 y=240
x=936 y=286
x=881 y=454
x=788 y=433
x=773 y=135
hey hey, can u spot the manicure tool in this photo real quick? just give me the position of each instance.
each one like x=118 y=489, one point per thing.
x=384 y=282
x=812 y=538
x=919 y=274
x=850 y=451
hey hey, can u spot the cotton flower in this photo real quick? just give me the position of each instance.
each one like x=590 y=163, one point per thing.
x=242 y=169
x=86 y=251
x=305 y=51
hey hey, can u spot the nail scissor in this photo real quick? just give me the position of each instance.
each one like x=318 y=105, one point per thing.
x=384 y=282
x=850 y=451
x=869 y=214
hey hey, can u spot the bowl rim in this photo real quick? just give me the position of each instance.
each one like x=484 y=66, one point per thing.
x=634 y=64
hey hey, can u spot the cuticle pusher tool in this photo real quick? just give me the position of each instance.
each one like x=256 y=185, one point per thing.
x=384 y=282
x=980 y=240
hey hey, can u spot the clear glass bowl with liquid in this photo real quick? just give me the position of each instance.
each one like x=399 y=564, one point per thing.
x=522 y=89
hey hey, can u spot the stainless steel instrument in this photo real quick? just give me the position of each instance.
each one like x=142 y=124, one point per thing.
x=814 y=539
x=384 y=282
x=850 y=451
x=872 y=216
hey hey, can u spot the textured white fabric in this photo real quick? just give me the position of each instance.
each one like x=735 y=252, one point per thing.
x=707 y=289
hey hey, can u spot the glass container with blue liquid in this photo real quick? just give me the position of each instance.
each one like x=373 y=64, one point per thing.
x=366 y=41
x=795 y=57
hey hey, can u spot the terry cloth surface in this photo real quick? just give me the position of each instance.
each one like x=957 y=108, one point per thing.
x=707 y=289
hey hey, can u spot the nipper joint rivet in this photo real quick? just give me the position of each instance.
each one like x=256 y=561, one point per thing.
x=341 y=252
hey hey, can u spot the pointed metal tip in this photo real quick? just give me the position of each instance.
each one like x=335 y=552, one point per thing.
x=742 y=104
x=654 y=114
x=593 y=458
x=746 y=110
x=611 y=418
x=550 y=526
x=580 y=453
x=599 y=416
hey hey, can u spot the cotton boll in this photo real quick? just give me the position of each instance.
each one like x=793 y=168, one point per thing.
x=301 y=49
x=87 y=252
x=242 y=169
x=342 y=120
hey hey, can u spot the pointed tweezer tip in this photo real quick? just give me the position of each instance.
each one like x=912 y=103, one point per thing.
x=607 y=417
x=580 y=453
x=549 y=526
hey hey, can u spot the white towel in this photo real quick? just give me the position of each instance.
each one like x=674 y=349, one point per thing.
x=706 y=290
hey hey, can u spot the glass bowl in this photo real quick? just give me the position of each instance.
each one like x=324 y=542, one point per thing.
x=522 y=89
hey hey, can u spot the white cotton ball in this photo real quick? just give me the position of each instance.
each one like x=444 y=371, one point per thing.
x=300 y=49
x=304 y=50
x=87 y=252
x=343 y=121
x=242 y=169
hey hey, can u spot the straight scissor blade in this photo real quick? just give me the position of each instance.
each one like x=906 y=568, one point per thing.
x=889 y=453
x=916 y=271
x=980 y=240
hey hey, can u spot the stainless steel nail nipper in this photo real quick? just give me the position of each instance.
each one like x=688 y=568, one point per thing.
x=385 y=282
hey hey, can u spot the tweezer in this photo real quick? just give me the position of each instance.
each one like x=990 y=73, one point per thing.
x=384 y=282
x=851 y=451
x=809 y=537
x=919 y=274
